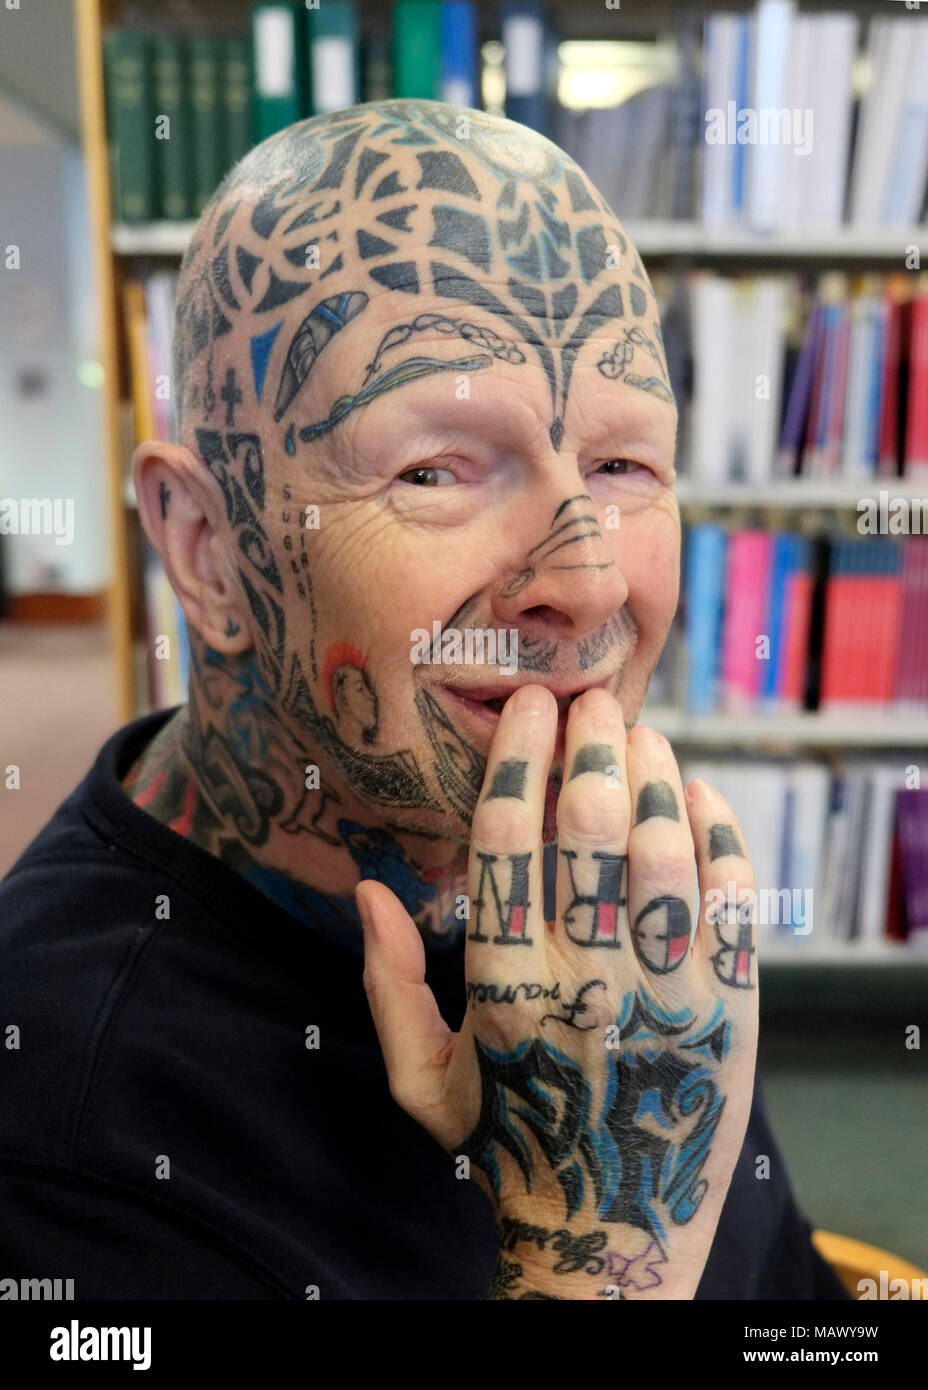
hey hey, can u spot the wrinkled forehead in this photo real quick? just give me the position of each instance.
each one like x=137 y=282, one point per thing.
x=422 y=202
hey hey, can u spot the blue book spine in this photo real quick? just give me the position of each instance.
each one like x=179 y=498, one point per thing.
x=741 y=95
x=874 y=387
x=524 y=39
x=705 y=582
x=780 y=562
x=832 y=330
x=459 y=53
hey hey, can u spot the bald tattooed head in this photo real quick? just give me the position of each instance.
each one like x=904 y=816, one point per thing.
x=352 y=280
x=404 y=199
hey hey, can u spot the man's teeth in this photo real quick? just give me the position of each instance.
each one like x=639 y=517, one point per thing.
x=497 y=704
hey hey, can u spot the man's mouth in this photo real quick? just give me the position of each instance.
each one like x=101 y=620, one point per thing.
x=485 y=703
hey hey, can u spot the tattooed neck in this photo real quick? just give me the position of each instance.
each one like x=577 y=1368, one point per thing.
x=227 y=773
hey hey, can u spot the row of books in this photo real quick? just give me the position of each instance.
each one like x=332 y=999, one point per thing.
x=844 y=396
x=148 y=308
x=781 y=153
x=181 y=109
x=752 y=128
x=840 y=852
x=761 y=126
x=778 y=621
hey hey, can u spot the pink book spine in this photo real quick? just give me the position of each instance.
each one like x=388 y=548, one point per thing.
x=747 y=580
x=919 y=635
x=906 y=666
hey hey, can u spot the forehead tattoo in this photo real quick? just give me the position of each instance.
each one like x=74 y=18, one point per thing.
x=409 y=197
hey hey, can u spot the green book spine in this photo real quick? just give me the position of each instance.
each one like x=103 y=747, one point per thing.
x=172 y=128
x=236 y=95
x=128 y=81
x=276 y=47
x=376 y=76
x=203 y=60
x=333 y=56
x=416 y=49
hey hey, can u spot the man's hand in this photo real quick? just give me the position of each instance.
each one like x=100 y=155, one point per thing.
x=601 y=1082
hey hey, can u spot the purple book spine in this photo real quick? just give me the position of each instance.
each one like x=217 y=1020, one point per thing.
x=798 y=408
x=912 y=825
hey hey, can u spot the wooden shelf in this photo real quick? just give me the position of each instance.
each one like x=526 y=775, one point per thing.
x=652 y=238
x=845 y=243
x=885 y=729
x=796 y=494
x=151 y=238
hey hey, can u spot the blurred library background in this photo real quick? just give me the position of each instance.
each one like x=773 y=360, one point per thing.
x=786 y=261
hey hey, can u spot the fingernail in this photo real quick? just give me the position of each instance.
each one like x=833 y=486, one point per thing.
x=364 y=914
x=531 y=699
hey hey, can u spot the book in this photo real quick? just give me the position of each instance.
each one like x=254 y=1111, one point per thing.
x=173 y=136
x=768 y=168
x=204 y=59
x=277 y=100
x=912 y=822
x=746 y=585
x=722 y=41
x=861 y=638
x=885 y=780
x=704 y=591
x=808 y=788
x=459 y=82
x=781 y=560
x=916 y=428
x=889 y=459
x=905 y=176
x=888 y=45
x=415 y=49
x=793 y=656
x=140 y=376
x=130 y=119
x=235 y=99
x=333 y=32
x=522 y=27
x=818 y=177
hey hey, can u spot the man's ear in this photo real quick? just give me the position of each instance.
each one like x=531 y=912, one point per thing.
x=181 y=520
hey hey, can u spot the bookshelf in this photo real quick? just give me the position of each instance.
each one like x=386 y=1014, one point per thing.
x=790 y=731
x=122 y=249
x=664 y=238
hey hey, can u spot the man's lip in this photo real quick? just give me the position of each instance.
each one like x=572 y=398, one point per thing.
x=480 y=694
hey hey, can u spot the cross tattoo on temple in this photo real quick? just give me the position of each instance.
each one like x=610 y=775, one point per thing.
x=231 y=395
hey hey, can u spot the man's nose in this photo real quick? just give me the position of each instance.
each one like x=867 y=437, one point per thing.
x=569 y=579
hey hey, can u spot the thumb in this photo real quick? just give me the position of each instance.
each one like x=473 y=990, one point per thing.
x=414 y=1038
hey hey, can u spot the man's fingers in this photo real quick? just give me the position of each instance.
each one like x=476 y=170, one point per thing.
x=592 y=827
x=414 y=1038
x=727 y=933
x=660 y=850
x=506 y=929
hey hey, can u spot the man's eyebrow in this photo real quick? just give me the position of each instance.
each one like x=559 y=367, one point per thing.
x=401 y=374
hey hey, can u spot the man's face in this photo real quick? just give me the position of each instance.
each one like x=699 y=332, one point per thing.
x=444 y=501
x=458 y=481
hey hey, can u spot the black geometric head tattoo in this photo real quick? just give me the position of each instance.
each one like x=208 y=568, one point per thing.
x=410 y=197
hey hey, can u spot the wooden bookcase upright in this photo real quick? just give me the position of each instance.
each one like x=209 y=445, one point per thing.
x=91 y=16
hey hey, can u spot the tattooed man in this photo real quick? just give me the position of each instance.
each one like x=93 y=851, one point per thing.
x=420 y=389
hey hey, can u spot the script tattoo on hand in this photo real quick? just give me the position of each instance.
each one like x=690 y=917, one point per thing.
x=486 y=992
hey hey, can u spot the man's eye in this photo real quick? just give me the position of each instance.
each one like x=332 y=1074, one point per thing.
x=616 y=467
x=425 y=477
